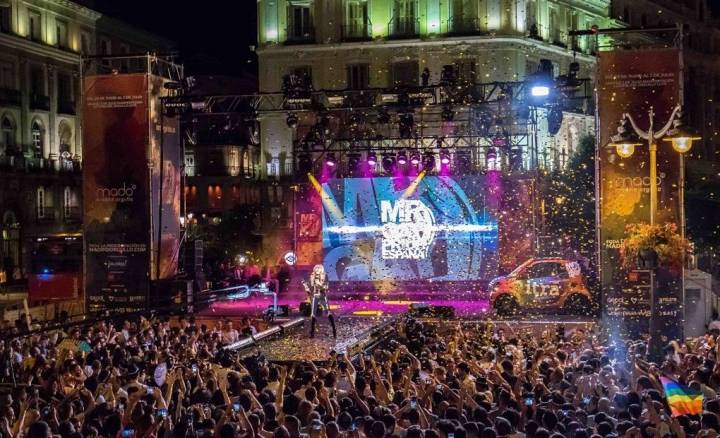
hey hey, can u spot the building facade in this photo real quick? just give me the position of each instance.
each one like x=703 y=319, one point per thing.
x=373 y=44
x=42 y=43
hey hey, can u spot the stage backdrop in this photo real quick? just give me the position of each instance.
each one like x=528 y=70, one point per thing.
x=632 y=81
x=121 y=191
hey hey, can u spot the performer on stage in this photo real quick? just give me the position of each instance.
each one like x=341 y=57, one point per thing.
x=317 y=289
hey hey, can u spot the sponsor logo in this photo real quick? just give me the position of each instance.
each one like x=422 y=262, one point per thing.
x=628 y=183
x=124 y=193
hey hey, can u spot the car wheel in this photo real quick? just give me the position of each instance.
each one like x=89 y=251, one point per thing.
x=578 y=305
x=506 y=305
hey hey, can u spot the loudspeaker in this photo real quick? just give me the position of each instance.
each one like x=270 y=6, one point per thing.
x=305 y=309
x=426 y=311
x=193 y=256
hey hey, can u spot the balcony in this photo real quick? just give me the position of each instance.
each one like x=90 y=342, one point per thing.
x=45 y=214
x=464 y=26
x=39 y=102
x=66 y=107
x=358 y=31
x=71 y=214
x=404 y=28
x=300 y=35
x=9 y=97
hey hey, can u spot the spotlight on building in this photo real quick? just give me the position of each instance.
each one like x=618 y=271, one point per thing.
x=428 y=161
x=388 y=163
x=444 y=157
x=402 y=158
x=372 y=159
x=414 y=159
x=291 y=120
x=541 y=83
x=330 y=160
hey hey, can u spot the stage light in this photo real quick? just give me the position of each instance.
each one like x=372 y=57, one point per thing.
x=291 y=120
x=388 y=163
x=428 y=161
x=330 y=160
x=402 y=158
x=414 y=159
x=540 y=91
x=372 y=159
x=491 y=154
x=448 y=115
x=444 y=156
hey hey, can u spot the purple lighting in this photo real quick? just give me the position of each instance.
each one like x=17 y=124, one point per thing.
x=372 y=160
x=330 y=160
x=415 y=160
x=402 y=158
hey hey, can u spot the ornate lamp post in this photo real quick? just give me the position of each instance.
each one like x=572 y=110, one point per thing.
x=625 y=143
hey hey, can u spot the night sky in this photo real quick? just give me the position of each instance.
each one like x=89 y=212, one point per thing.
x=212 y=36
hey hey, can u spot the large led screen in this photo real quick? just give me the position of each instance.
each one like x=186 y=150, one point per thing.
x=432 y=228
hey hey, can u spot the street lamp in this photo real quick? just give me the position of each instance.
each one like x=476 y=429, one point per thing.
x=624 y=143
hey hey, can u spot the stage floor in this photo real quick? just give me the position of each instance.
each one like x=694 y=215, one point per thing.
x=347 y=306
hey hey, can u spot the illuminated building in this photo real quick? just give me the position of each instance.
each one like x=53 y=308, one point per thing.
x=41 y=45
x=372 y=44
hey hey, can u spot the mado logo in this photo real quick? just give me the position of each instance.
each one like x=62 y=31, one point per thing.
x=628 y=183
x=407 y=229
x=123 y=193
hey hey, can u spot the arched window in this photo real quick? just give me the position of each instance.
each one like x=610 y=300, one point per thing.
x=8 y=135
x=37 y=134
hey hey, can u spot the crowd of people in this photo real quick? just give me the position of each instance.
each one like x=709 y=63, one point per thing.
x=174 y=378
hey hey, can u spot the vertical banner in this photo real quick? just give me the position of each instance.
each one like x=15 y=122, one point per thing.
x=165 y=185
x=633 y=82
x=115 y=191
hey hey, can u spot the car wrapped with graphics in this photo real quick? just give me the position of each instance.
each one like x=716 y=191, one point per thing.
x=542 y=283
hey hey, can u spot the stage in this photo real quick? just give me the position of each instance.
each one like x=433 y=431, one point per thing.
x=360 y=322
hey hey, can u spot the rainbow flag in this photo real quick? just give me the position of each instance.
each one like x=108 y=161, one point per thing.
x=682 y=400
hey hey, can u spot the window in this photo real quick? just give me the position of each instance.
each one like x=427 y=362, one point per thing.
x=233 y=161
x=549 y=269
x=554 y=26
x=405 y=74
x=191 y=197
x=34 y=26
x=40 y=203
x=302 y=74
x=124 y=63
x=7 y=75
x=405 y=17
x=356 y=19
x=8 y=135
x=84 y=43
x=37 y=135
x=61 y=29
x=5 y=17
x=65 y=135
x=466 y=71
x=299 y=21
x=531 y=14
x=105 y=46
x=37 y=80
x=65 y=87
x=71 y=204
x=214 y=197
x=190 y=163
x=358 y=76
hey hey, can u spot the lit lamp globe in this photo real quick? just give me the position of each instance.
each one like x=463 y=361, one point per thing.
x=681 y=139
x=625 y=150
